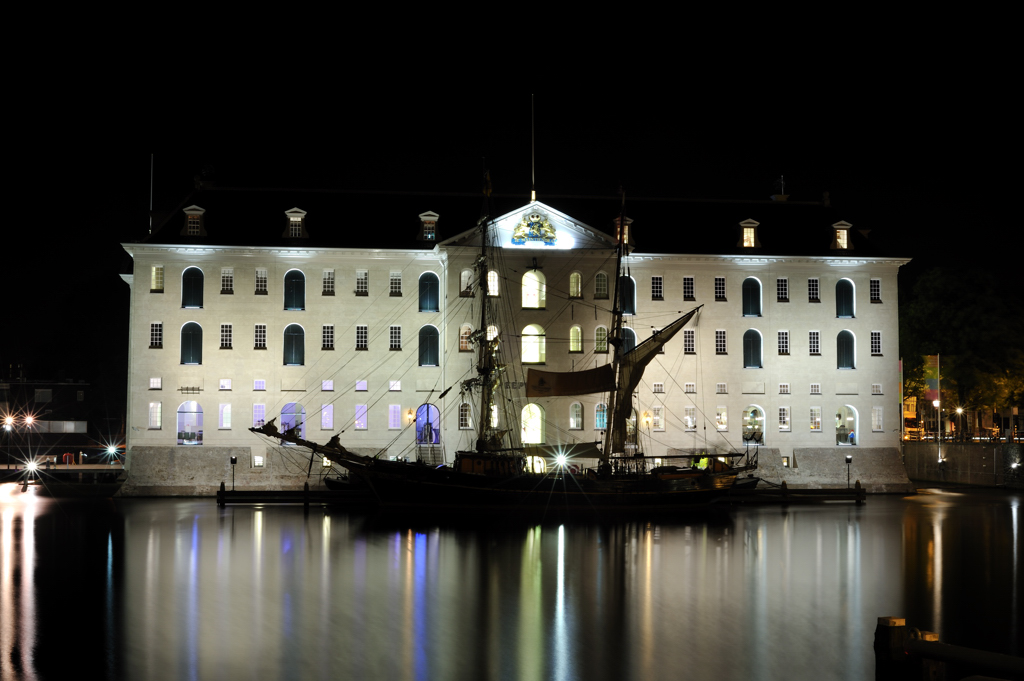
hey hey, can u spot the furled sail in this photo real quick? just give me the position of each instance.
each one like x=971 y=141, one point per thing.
x=555 y=383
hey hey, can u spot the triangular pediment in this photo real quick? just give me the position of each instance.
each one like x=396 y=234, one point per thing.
x=538 y=226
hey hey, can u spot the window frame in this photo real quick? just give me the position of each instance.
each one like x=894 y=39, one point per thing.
x=782 y=289
x=327 y=337
x=721 y=342
x=362 y=337
x=783 y=342
x=689 y=288
x=720 y=290
x=657 y=287
x=259 y=337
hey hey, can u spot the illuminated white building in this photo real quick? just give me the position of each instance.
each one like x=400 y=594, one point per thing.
x=247 y=307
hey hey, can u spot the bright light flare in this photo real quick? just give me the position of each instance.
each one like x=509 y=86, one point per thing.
x=32 y=466
x=561 y=460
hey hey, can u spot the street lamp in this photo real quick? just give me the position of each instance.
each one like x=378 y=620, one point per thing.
x=849 y=459
x=938 y=426
x=960 y=422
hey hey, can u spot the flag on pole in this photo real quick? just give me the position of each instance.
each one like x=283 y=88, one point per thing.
x=932 y=375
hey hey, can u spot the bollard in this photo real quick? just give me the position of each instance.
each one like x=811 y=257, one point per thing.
x=891 y=662
x=860 y=493
x=305 y=495
x=220 y=494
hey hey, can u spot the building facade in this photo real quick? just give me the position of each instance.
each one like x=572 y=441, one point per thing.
x=359 y=335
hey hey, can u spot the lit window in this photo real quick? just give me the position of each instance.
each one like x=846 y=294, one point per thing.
x=689 y=342
x=261 y=281
x=259 y=412
x=394 y=386
x=876 y=342
x=395 y=284
x=814 y=342
x=601 y=286
x=688 y=289
x=156 y=384
x=658 y=388
x=782 y=290
x=327 y=385
x=575 y=339
x=601 y=339
x=361 y=386
x=362 y=336
x=190 y=423
x=156 y=335
x=225 y=384
x=784 y=418
x=327 y=335
x=295 y=227
x=575 y=285
x=842 y=238
x=492 y=283
x=575 y=416
x=362 y=283
x=394 y=416
x=657 y=422
x=259 y=384
x=225 y=336
x=812 y=290
x=465 y=420
x=224 y=420
x=783 y=388
x=689 y=387
x=534 y=290
x=721 y=418
x=260 y=337
x=690 y=418
x=394 y=338
x=327 y=417
x=533 y=424
x=657 y=288
x=876 y=419
x=748 y=237
x=257 y=461
x=155 y=415
x=534 y=341
x=876 y=290
x=783 y=342
x=492 y=332
x=720 y=344
x=816 y=418
x=719 y=288
x=360 y=422
x=601 y=417
x=328 y=289
x=227 y=281
x=465 y=344
x=156 y=281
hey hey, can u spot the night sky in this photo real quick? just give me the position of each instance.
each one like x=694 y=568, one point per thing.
x=926 y=175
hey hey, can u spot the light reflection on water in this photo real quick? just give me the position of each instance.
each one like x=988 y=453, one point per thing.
x=180 y=589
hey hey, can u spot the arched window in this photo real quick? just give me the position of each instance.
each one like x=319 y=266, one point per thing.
x=192 y=287
x=293 y=414
x=429 y=356
x=575 y=285
x=533 y=344
x=294 y=345
x=844 y=298
x=190 y=423
x=601 y=417
x=294 y=290
x=751 y=297
x=575 y=339
x=575 y=416
x=465 y=344
x=752 y=349
x=492 y=332
x=753 y=425
x=601 y=339
x=533 y=424
x=601 y=286
x=846 y=350
x=465 y=416
x=534 y=290
x=191 y=344
x=627 y=295
x=466 y=283
x=628 y=339
x=428 y=425
x=492 y=284
x=430 y=287
x=846 y=425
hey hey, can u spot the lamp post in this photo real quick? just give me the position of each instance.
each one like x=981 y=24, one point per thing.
x=960 y=422
x=938 y=427
x=234 y=460
x=849 y=459
x=8 y=425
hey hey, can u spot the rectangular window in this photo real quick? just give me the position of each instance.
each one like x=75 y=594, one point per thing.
x=260 y=337
x=257 y=461
x=782 y=289
x=259 y=412
x=395 y=338
x=689 y=342
x=720 y=345
x=261 y=281
x=328 y=283
x=156 y=384
x=721 y=418
x=876 y=419
x=656 y=419
x=721 y=389
x=688 y=288
x=783 y=342
x=294 y=227
x=156 y=335
x=690 y=418
x=155 y=415
x=327 y=417
x=876 y=290
x=224 y=420
x=394 y=386
x=225 y=336
x=657 y=288
x=395 y=287
x=362 y=283
x=784 y=418
x=659 y=387
x=156 y=279
x=394 y=416
x=876 y=389
x=748 y=237
x=815 y=388
x=842 y=238
x=719 y=288
x=816 y=419
x=876 y=342
x=327 y=385
x=362 y=337
x=328 y=337
x=689 y=387
x=192 y=224
x=227 y=280
x=814 y=342
x=259 y=384
x=225 y=384
x=812 y=290
x=783 y=388
x=361 y=386
x=601 y=286
x=360 y=417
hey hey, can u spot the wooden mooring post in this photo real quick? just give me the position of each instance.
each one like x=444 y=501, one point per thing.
x=908 y=653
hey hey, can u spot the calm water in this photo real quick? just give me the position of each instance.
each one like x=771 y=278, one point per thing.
x=181 y=589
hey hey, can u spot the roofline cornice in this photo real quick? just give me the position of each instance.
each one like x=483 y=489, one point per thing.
x=293 y=251
x=768 y=260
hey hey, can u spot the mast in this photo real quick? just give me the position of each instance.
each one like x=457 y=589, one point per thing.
x=484 y=365
x=615 y=338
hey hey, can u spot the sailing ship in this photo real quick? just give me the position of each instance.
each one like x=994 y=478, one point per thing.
x=500 y=473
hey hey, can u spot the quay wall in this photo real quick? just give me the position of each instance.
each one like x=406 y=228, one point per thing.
x=879 y=469
x=985 y=465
